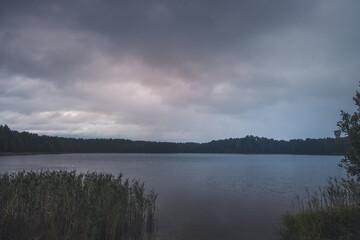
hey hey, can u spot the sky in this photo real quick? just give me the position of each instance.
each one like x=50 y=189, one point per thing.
x=190 y=70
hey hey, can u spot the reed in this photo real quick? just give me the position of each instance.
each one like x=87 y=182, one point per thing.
x=67 y=205
x=331 y=212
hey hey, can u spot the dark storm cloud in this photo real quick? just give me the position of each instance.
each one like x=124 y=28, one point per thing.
x=47 y=37
x=178 y=69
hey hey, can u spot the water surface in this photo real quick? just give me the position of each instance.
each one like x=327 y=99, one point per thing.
x=205 y=196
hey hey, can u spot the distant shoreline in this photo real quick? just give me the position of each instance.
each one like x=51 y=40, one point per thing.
x=23 y=153
x=25 y=143
x=4 y=154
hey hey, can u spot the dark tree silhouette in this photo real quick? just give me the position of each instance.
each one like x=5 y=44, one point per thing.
x=16 y=142
x=350 y=125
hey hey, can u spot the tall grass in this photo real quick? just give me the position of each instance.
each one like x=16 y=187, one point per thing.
x=331 y=212
x=66 y=205
x=338 y=193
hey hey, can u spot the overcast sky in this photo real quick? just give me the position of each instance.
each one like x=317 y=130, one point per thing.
x=184 y=70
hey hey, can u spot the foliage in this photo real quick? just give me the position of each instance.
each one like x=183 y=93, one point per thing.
x=323 y=224
x=15 y=142
x=350 y=124
x=332 y=212
x=337 y=193
x=66 y=205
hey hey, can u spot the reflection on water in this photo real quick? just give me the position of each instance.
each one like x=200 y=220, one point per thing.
x=205 y=196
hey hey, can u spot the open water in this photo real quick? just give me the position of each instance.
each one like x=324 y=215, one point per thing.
x=206 y=196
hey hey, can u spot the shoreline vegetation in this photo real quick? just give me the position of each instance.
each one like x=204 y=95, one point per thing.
x=15 y=143
x=332 y=212
x=7 y=154
x=22 y=153
x=67 y=205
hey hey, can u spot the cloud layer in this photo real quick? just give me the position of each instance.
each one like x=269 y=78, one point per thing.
x=178 y=70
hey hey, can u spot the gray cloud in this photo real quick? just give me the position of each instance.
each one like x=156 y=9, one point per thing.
x=178 y=70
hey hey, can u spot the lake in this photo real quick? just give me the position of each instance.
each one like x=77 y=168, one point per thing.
x=205 y=196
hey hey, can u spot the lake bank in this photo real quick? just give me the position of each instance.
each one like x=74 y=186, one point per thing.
x=21 y=153
x=211 y=153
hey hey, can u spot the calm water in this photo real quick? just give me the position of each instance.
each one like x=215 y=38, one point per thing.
x=206 y=196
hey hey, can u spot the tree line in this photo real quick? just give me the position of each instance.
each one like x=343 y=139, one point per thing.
x=24 y=142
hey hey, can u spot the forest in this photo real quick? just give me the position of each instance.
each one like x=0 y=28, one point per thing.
x=12 y=141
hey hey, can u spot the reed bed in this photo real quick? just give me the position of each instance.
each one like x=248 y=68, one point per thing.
x=67 y=205
x=338 y=193
x=332 y=212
